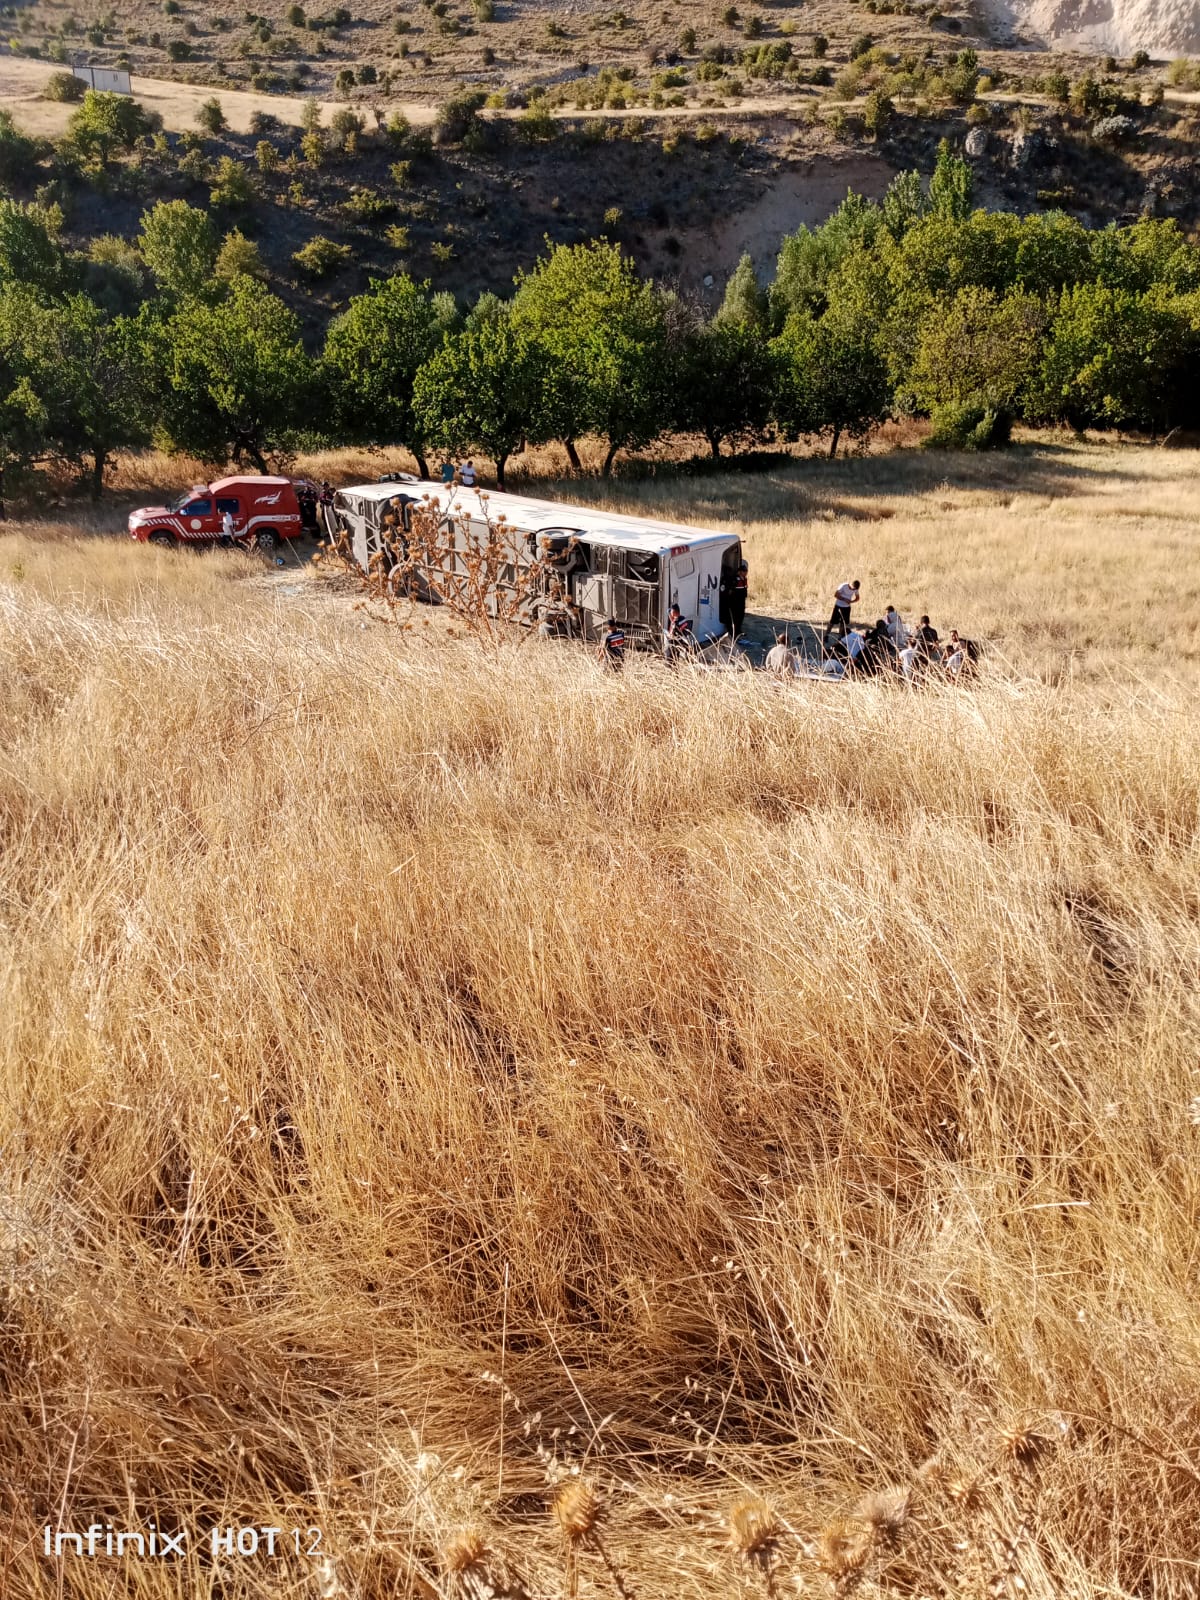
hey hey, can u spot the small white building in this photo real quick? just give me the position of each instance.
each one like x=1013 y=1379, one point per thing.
x=606 y=563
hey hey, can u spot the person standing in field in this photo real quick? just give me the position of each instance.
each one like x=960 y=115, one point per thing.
x=227 y=528
x=612 y=645
x=466 y=474
x=844 y=596
x=738 y=595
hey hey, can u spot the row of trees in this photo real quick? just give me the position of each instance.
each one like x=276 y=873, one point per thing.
x=920 y=304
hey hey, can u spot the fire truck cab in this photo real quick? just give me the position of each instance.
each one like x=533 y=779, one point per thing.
x=264 y=511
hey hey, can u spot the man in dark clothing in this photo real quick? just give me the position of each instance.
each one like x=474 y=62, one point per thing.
x=612 y=645
x=737 y=598
x=926 y=640
x=677 y=636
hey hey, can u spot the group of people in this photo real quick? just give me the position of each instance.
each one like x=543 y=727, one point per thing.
x=463 y=474
x=310 y=497
x=889 y=644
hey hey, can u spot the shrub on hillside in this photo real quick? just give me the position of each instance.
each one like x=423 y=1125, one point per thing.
x=211 y=116
x=457 y=117
x=63 y=86
x=321 y=257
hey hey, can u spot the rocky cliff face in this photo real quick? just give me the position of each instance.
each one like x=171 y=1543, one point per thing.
x=1163 y=27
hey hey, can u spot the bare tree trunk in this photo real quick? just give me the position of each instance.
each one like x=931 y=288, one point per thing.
x=606 y=469
x=422 y=464
x=833 y=443
x=714 y=444
x=500 y=464
x=573 y=455
x=99 y=457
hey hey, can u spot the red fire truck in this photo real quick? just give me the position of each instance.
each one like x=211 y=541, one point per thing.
x=263 y=512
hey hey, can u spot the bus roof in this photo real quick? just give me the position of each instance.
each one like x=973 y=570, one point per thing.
x=532 y=516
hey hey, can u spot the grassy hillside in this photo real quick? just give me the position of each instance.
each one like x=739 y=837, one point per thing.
x=431 y=1073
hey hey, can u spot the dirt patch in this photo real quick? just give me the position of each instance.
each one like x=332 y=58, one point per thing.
x=21 y=84
x=801 y=195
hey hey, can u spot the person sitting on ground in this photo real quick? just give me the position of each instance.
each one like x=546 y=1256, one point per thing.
x=953 y=655
x=897 y=632
x=845 y=596
x=781 y=658
x=926 y=639
x=878 y=652
x=466 y=474
x=612 y=645
x=855 y=644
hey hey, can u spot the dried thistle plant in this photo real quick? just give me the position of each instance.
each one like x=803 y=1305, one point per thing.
x=576 y=1510
x=754 y=1531
x=884 y=1512
x=842 y=1550
x=1021 y=1444
x=963 y=1492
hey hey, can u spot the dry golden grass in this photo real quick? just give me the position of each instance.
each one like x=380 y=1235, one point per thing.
x=429 y=1076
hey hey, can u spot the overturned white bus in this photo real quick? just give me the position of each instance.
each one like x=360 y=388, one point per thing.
x=542 y=554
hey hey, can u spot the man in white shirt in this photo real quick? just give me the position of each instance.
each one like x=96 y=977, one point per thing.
x=854 y=646
x=845 y=596
x=897 y=632
x=467 y=474
x=227 y=526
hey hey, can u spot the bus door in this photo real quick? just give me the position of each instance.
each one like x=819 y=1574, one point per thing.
x=684 y=584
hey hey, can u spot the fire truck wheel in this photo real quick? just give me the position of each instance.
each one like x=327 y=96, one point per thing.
x=266 y=541
x=162 y=537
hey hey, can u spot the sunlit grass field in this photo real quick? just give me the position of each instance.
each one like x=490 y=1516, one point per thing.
x=433 y=1073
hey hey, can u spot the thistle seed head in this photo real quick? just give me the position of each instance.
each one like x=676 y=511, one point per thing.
x=464 y=1551
x=885 y=1512
x=753 y=1526
x=576 y=1510
x=843 y=1547
x=1021 y=1443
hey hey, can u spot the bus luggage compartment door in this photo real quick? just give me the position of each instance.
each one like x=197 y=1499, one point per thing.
x=592 y=595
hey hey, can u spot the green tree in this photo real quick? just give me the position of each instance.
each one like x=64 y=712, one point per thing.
x=832 y=374
x=952 y=184
x=372 y=354
x=233 y=376
x=603 y=326
x=105 y=123
x=904 y=204
x=485 y=390
x=179 y=245
x=29 y=249
x=809 y=257
x=23 y=415
x=87 y=372
x=1148 y=252
x=977 y=347
x=724 y=384
x=744 y=301
x=17 y=151
x=1116 y=359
